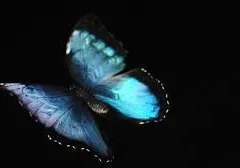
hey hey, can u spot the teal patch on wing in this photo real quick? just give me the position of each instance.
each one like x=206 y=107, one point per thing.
x=99 y=44
x=131 y=97
x=109 y=51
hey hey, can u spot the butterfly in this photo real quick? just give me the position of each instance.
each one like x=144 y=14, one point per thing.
x=95 y=61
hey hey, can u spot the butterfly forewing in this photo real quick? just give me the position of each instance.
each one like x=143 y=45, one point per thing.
x=93 y=55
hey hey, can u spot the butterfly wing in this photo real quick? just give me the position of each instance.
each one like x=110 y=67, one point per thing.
x=55 y=107
x=93 y=55
x=135 y=95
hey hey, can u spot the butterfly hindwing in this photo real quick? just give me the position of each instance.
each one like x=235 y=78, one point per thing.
x=93 y=55
x=57 y=108
x=135 y=95
x=77 y=124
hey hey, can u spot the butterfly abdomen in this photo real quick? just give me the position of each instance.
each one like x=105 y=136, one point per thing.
x=92 y=102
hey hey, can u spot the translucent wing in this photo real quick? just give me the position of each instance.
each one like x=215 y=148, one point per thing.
x=55 y=107
x=135 y=95
x=93 y=55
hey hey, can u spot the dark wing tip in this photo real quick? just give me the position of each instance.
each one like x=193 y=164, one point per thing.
x=92 y=23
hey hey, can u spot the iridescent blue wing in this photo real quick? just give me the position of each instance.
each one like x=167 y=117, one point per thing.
x=136 y=95
x=68 y=115
x=93 y=55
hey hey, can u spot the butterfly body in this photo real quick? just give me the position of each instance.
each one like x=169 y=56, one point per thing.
x=96 y=105
x=95 y=61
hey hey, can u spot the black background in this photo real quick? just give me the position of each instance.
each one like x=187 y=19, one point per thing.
x=180 y=44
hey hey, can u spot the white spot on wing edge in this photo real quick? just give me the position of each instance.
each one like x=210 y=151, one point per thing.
x=76 y=33
x=20 y=103
x=166 y=95
x=49 y=137
x=30 y=114
x=68 y=48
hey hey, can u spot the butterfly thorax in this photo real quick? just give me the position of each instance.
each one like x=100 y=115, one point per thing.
x=92 y=102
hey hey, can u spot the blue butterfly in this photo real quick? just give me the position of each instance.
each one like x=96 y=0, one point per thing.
x=94 y=60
